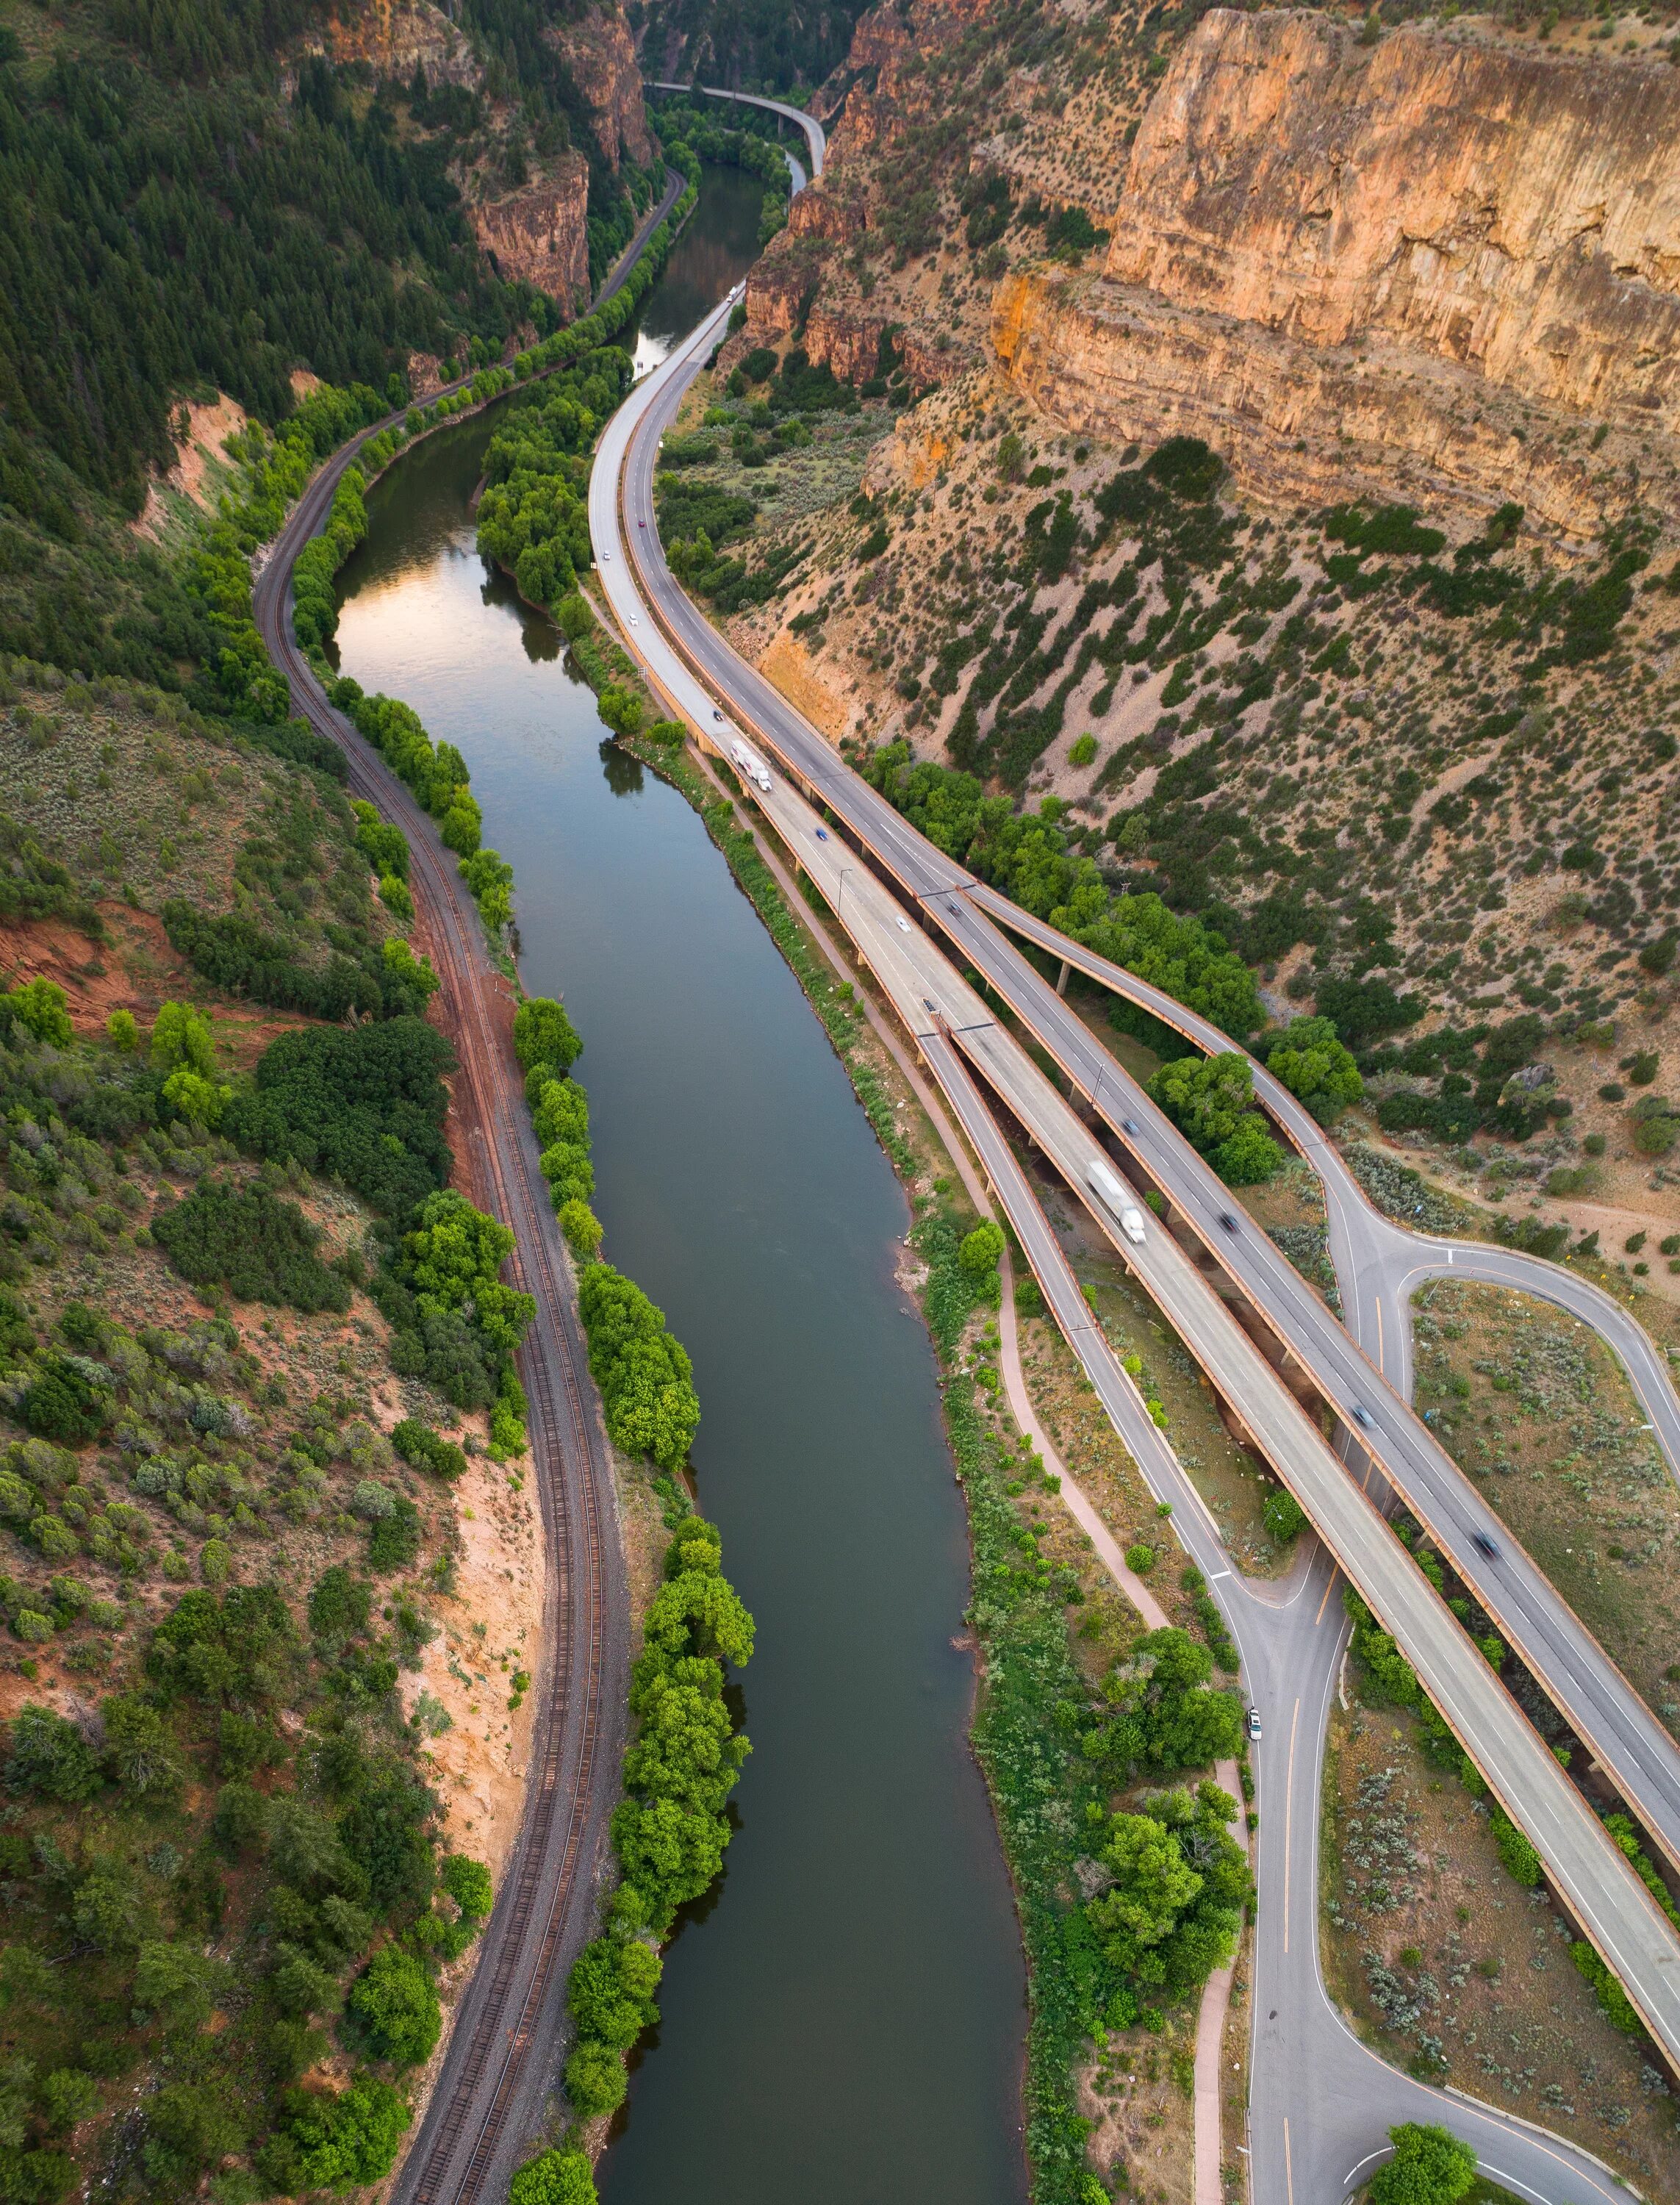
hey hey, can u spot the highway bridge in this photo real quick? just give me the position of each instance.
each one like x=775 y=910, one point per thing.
x=679 y=647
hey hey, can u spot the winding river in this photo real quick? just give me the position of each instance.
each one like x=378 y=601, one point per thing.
x=843 y=2018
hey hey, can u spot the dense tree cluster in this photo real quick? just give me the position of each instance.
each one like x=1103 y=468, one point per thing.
x=157 y=240
x=1210 y=1100
x=364 y=1104
x=645 y=1377
x=671 y=1830
x=533 y=517
x=252 y=1242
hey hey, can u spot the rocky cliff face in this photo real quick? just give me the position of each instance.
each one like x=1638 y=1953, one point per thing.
x=395 y=37
x=1443 y=255
x=538 y=232
x=598 y=51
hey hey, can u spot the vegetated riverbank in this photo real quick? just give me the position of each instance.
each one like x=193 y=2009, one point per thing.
x=1035 y=1730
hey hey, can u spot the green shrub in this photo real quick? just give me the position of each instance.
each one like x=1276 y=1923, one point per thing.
x=262 y=1249
x=554 y=2178
x=582 y=1228
x=1284 y=1516
x=468 y=1883
x=335 y=2142
x=1141 y=1558
x=69 y=1400
x=422 y=1448
x=1521 y=1861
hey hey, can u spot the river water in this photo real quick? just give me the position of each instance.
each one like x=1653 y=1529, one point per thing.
x=843 y=2021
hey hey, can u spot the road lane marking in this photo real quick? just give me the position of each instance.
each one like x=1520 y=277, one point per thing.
x=1380 y=1345
x=1288 y=1822
x=1289 y=2165
x=1325 y=1602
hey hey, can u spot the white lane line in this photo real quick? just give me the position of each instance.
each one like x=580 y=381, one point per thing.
x=1289 y=1824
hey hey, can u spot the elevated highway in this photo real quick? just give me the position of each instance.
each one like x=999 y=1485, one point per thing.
x=816 y=139
x=1589 y=1691
x=938 y=1006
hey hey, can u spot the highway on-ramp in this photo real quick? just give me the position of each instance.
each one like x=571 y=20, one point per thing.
x=1590 y=1692
x=937 y=1006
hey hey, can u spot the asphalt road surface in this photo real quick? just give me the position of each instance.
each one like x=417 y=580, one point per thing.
x=897 y=951
x=1598 y=1703
x=815 y=137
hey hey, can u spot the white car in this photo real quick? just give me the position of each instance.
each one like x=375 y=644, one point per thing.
x=904 y=926
x=1254 y=1725
x=1131 y=1224
x=634 y=623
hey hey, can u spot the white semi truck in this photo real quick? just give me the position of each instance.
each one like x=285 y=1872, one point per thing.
x=747 y=761
x=1116 y=1198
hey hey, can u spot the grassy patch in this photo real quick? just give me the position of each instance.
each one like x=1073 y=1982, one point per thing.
x=1538 y=1410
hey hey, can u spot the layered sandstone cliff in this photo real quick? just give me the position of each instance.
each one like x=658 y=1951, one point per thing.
x=538 y=231
x=1431 y=260
x=597 y=50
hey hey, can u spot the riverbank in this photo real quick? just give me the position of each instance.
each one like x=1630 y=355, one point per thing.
x=737 y=1178
x=1164 y=2118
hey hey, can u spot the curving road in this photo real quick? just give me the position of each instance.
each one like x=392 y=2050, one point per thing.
x=1284 y=1680
x=1372 y=1254
x=1593 y=1697
x=816 y=139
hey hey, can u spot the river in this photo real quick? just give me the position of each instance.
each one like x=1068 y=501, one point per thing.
x=843 y=2018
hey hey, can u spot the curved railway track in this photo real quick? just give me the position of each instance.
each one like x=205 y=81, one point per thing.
x=490 y=2094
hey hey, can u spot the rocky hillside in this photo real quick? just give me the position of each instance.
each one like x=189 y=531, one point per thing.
x=1273 y=486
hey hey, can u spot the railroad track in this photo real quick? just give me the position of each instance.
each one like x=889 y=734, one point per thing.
x=489 y=2094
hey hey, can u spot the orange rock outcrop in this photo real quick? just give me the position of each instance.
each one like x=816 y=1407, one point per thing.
x=1432 y=261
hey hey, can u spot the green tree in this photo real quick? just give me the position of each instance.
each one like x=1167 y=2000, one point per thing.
x=1249 y=1156
x=1430 y=2167
x=178 y=1982
x=1315 y=1067
x=582 y=1228
x=1153 y=1885
x=1206 y=1097
x=180 y=1040
x=1284 y=1516
x=50 y=1756
x=397 y=2007
x=622 y=709
x=124 y=1032
x=981 y=1251
x=542 y=1034
x=1210 y=1101
x=40 y=1008
x=595 y=2080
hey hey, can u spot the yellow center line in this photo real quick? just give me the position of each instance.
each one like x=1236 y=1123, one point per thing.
x=1379 y=1309
x=1288 y=1818
x=1325 y=1602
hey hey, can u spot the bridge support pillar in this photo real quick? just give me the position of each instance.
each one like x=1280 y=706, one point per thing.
x=1061 y=978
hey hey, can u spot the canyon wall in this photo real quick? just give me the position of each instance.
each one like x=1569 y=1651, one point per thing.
x=1435 y=261
x=394 y=37
x=538 y=231
x=598 y=51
